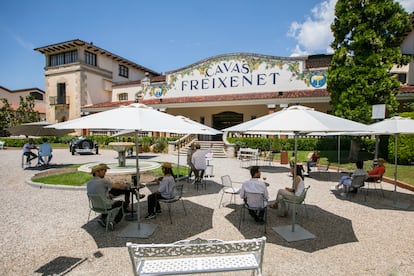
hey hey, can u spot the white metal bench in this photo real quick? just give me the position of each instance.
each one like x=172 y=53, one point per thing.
x=197 y=256
x=247 y=154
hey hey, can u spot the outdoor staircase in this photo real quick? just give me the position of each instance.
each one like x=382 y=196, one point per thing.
x=216 y=147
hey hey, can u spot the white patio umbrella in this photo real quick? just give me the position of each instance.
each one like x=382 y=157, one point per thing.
x=134 y=117
x=197 y=128
x=394 y=126
x=299 y=120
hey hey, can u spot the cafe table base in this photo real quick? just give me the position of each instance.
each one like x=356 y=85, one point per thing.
x=137 y=230
x=291 y=234
x=130 y=217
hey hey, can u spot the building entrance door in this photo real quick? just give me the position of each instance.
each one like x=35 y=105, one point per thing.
x=226 y=119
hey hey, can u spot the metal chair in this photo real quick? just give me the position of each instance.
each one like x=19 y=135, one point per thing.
x=178 y=197
x=356 y=183
x=268 y=158
x=297 y=202
x=375 y=180
x=228 y=189
x=256 y=198
x=98 y=205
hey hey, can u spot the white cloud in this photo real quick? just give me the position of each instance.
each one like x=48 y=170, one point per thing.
x=408 y=5
x=24 y=44
x=314 y=35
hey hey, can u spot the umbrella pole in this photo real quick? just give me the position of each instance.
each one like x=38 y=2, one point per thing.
x=395 y=166
x=178 y=161
x=141 y=230
x=287 y=232
x=137 y=176
x=339 y=152
x=294 y=179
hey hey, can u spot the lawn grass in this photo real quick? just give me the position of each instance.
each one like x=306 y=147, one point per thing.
x=80 y=178
x=405 y=173
x=70 y=179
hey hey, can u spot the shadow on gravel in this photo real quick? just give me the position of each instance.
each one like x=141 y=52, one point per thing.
x=197 y=220
x=270 y=169
x=373 y=198
x=60 y=266
x=329 y=229
x=47 y=167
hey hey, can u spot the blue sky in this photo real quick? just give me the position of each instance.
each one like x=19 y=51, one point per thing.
x=161 y=35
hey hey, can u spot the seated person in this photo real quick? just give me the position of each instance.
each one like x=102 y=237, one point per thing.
x=255 y=185
x=346 y=180
x=314 y=159
x=166 y=190
x=102 y=186
x=288 y=193
x=376 y=173
x=199 y=162
x=190 y=164
x=45 y=150
x=27 y=151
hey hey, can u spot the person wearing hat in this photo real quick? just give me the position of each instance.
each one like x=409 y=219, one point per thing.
x=27 y=151
x=108 y=190
x=166 y=190
x=376 y=173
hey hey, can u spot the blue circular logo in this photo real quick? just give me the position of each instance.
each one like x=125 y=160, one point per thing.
x=158 y=91
x=318 y=80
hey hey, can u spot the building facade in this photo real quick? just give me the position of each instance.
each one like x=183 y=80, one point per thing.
x=219 y=91
x=13 y=98
x=80 y=74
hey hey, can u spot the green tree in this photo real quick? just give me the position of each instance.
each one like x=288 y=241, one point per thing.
x=25 y=113
x=367 y=39
x=6 y=116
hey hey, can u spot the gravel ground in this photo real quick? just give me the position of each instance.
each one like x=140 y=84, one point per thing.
x=45 y=231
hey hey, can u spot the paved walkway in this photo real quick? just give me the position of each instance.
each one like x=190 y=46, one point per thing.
x=45 y=231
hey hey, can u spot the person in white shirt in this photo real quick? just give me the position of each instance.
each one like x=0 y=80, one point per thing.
x=288 y=193
x=255 y=185
x=45 y=149
x=27 y=151
x=199 y=162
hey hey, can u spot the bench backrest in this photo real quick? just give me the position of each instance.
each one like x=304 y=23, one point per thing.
x=249 y=150
x=197 y=247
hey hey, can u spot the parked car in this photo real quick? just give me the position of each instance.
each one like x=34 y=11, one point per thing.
x=83 y=145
